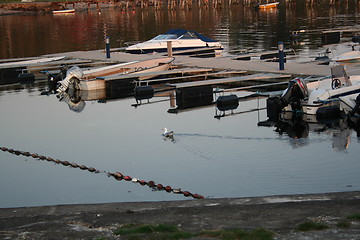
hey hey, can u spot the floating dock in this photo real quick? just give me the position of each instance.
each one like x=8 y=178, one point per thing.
x=224 y=63
x=254 y=77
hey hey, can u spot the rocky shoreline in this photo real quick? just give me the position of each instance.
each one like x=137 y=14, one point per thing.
x=28 y=8
x=279 y=214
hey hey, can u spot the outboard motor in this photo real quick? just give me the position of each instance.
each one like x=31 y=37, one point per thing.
x=73 y=72
x=295 y=92
x=53 y=79
x=356 y=107
x=293 y=95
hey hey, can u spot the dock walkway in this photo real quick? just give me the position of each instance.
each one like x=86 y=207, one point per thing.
x=227 y=63
x=259 y=76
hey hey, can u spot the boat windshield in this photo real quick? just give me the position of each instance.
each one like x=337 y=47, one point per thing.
x=188 y=35
x=165 y=37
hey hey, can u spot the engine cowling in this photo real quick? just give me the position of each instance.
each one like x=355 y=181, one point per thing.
x=73 y=72
x=295 y=92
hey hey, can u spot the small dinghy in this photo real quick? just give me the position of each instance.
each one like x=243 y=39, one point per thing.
x=93 y=79
x=64 y=11
x=352 y=56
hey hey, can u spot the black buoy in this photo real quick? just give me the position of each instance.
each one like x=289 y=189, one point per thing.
x=356 y=38
x=26 y=77
x=230 y=102
x=330 y=37
x=144 y=92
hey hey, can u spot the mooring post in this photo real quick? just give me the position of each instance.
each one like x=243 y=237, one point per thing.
x=169 y=48
x=107 y=45
x=281 y=55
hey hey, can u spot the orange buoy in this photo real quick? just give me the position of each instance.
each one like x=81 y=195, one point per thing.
x=65 y=163
x=151 y=183
x=186 y=193
x=127 y=178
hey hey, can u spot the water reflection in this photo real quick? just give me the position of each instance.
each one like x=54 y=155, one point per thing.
x=76 y=99
x=236 y=27
x=299 y=126
x=228 y=158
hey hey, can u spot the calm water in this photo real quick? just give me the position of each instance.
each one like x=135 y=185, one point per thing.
x=230 y=157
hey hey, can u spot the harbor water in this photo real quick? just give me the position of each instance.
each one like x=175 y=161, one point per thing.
x=213 y=155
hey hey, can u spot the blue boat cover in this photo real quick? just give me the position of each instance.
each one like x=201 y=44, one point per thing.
x=180 y=32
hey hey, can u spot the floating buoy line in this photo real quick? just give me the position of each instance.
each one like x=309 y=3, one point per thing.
x=116 y=175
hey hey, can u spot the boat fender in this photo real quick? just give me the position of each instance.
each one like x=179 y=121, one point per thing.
x=335 y=83
x=328 y=112
x=229 y=102
x=357 y=106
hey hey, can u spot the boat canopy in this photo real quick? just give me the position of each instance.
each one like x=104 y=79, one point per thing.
x=182 y=34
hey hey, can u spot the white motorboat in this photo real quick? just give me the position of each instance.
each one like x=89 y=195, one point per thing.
x=93 y=79
x=25 y=63
x=352 y=56
x=180 y=40
x=64 y=11
x=320 y=98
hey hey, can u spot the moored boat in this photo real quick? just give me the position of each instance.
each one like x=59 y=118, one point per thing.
x=24 y=63
x=320 y=98
x=352 y=56
x=95 y=78
x=181 y=40
x=64 y=11
x=266 y=5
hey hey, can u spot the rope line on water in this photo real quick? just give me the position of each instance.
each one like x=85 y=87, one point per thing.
x=116 y=175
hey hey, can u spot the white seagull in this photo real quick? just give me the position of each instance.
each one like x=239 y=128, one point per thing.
x=168 y=134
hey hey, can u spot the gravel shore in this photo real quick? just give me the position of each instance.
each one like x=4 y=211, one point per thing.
x=280 y=214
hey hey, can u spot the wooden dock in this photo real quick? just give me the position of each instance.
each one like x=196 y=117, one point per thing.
x=261 y=55
x=252 y=77
x=180 y=71
x=190 y=72
x=223 y=63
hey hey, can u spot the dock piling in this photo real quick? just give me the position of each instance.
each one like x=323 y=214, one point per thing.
x=169 y=48
x=281 y=55
x=107 y=46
